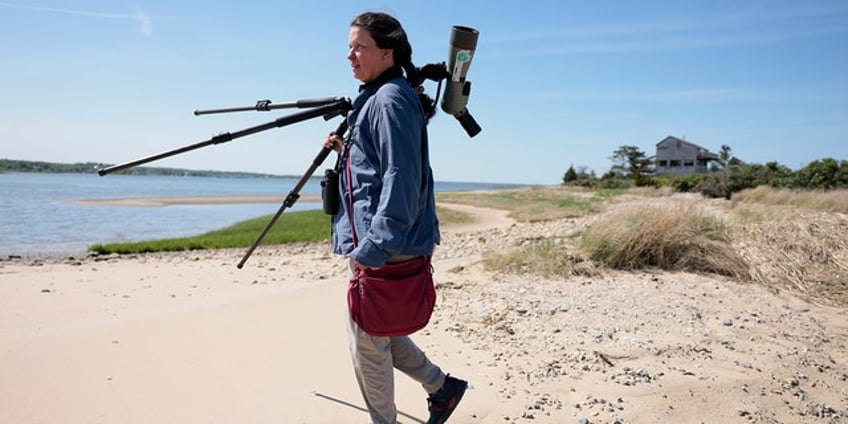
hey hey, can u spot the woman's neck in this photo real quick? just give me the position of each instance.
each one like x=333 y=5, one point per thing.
x=389 y=74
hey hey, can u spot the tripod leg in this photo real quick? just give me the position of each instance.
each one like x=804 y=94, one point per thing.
x=265 y=231
x=293 y=195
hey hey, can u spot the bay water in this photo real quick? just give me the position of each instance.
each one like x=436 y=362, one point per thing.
x=40 y=214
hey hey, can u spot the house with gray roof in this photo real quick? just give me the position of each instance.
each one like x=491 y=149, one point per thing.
x=680 y=157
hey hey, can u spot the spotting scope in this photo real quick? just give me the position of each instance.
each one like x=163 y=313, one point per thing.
x=463 y=42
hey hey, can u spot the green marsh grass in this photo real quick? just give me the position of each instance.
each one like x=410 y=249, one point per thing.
x=299 y=226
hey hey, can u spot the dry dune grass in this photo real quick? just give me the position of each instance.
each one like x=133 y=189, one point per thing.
x=672 y=235
x=800 y=251
x=794 y=242
x=832 y=201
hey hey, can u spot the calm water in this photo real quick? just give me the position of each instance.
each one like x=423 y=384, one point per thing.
x=39 y=215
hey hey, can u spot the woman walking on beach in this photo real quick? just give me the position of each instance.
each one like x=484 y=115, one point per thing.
x=387 y=214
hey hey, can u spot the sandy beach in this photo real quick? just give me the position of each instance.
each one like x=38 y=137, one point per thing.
x=189 y=338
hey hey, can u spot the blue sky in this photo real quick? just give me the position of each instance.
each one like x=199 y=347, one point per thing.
x=554 y=83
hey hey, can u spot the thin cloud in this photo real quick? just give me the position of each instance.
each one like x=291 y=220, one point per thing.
x=144 y=22
x=674 y=42
x=707 y=95
x=674 y=33
x=679 y=96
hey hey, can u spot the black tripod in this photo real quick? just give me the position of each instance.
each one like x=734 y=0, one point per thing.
x=327 y=108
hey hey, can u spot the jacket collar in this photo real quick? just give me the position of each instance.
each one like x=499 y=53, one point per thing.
x=387 y=75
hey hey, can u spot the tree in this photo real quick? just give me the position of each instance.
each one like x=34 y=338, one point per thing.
x=827 y=174
x=630 y=162
x=570 y=175
x=724 y=156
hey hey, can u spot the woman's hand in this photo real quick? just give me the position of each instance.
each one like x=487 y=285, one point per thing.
x=357 y=265
x=333 y=141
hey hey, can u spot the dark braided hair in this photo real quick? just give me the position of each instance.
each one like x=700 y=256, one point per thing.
x=388 y=33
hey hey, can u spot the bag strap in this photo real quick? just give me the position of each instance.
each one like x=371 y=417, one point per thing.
x=350 y=196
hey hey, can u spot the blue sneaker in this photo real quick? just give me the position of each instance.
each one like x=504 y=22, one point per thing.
x=442 y=403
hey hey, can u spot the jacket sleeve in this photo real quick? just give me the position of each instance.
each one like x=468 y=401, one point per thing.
x=397 y=125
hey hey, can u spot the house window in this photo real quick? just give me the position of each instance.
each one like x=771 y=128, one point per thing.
x=674 y=163
x=663 y=163
x=689 y=163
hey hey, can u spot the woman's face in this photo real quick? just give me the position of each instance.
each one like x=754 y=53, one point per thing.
x=367 y=61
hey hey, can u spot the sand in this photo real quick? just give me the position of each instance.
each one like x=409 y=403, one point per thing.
x=189 y=338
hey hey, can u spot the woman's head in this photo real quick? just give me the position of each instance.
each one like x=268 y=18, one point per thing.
x=377 y=41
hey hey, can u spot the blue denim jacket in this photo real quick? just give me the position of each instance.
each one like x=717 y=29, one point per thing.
x=394 y=209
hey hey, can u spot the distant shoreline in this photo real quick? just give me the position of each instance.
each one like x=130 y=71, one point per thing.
x=192 y=200
x=41 y=167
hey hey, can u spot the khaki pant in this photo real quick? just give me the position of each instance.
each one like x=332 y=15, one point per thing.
x=374 y=361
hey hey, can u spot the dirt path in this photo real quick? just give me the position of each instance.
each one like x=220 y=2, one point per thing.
x=482 y=218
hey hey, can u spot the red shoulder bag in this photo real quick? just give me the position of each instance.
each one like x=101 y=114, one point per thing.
x=395 y=300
